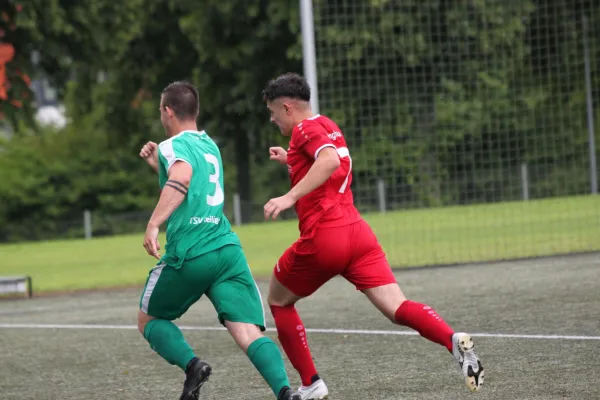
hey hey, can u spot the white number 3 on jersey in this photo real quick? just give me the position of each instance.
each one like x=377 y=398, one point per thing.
x=218 y=197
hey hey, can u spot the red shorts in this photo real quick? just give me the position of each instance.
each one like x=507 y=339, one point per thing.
x=351 y=251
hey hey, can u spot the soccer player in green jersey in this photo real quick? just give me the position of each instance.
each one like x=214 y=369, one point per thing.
x=203 y=256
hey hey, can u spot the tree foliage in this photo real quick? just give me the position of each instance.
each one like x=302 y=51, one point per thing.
x=443 y=100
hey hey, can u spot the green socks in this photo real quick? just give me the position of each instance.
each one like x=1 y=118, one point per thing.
x=267 y=359
x=167 y=340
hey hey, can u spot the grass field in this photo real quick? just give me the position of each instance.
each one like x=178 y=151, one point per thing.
x=535 y=325
x=410 y=238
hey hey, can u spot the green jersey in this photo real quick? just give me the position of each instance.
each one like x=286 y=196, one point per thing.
x=198 y=225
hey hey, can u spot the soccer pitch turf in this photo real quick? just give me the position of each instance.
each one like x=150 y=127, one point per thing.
x=410 y=238
x=535 y=325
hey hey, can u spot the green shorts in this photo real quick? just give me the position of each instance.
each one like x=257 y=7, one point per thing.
x=223 y=275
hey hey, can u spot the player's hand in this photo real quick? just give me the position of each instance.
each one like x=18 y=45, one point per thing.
x=278 y=154
x=151 y=241
x=275 y=206
x=150 y=154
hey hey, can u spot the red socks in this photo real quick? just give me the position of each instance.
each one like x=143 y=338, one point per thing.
x=292 y=337
x=425 y=320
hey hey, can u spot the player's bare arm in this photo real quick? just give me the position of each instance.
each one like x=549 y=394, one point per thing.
x=150 y=154
x=172 y=195
x=322 y=169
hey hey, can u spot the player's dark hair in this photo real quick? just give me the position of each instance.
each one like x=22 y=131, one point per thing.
x=182 y=98
x=287 y=85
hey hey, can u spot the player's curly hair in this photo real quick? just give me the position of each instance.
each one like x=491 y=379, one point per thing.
x=182 y=98
x=287 y=85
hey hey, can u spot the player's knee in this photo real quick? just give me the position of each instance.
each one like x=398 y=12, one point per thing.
x=272 y=301
x=141 y=326
x=279 y=294
x=142 y=321
x=244 y=334
x=280 y=302
x=389 y=312
x=387 y=299
x=281 y=297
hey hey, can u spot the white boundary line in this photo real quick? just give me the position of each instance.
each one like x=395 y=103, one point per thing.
x=326 y=331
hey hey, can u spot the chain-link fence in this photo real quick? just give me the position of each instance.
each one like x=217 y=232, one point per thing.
x=470 y=125
x=462 y=103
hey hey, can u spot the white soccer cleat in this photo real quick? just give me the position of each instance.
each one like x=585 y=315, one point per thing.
x=462 y=350
x=316 y=391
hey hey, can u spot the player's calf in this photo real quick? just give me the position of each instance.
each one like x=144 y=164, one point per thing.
x=291 y=331
x=264 y=355
x=293 y=339
x=390 y=300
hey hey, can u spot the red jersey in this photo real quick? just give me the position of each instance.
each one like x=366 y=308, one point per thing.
x=332 y=203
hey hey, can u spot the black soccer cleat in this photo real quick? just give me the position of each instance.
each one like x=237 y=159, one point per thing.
x=287 y=394
x=196 y=374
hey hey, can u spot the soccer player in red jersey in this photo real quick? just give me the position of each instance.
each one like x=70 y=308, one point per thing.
x=334 y=239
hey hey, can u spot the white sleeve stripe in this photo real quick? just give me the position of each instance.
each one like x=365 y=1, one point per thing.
x=180 y=159
x=166 y=149
x=321 y=148
x=344 y=152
